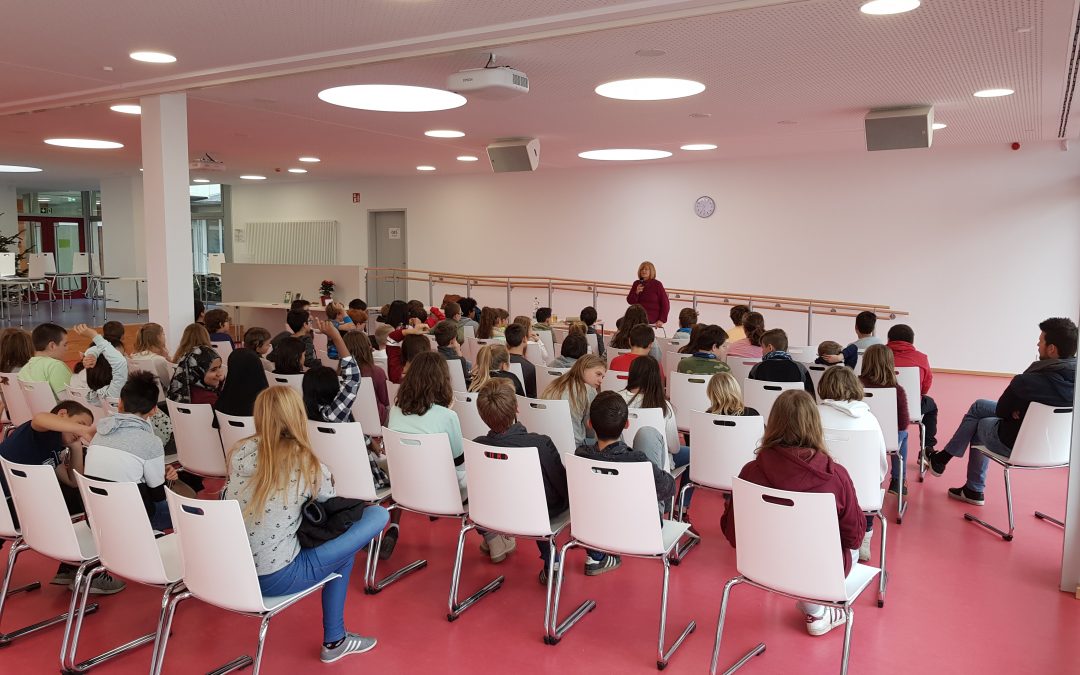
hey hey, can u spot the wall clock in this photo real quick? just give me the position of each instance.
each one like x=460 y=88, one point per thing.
x=704 y=206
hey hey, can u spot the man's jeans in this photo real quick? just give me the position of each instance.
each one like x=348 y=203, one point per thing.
x=979 y=427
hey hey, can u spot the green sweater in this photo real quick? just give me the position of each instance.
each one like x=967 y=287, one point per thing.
x=697 y=365
x=46 y=369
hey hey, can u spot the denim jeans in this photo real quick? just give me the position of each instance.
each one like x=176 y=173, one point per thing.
x=979 y=427
x=682 y=458
x=894 y=460
x=161 y=520
x=929 y=411
x=314 y=564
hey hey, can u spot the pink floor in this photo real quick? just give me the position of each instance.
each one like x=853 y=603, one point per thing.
x=960 y=600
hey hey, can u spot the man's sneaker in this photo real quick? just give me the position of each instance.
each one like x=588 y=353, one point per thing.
x=819 y=625
x=966 y=495
x=351 y=644
x=594 y=568
x=65 y=575
x=499 y=547
x=389 y=541
x=544 y=574
x=104 y=584
x=936 y=462
x=894 y=487
x=864 y=549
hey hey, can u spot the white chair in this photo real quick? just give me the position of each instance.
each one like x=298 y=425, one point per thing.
x=49 y=530
x=559 y=334
x=535 y=356
x=614 y=380
x=802 y=353
x=551 y=418
x=549 y=343
x=613 y=510
x=457 y=375
x=41 y=265
x=11 y=533
x=761 y=394
x=688 y=393
x=593 y=345
x=816 y=371
x=233 y=429
x=16 y=407
x=908 y=377
x=223 y=350
x=7 y=264
x=469 y=331
x=294 y=381
x=857 y=452
x=80 y=396
x=506 y=496
x=425 y=481
x=128 y=548
x=472 y=426
x=213 y=263
x=391 y=392
x=198 y=444
x=545 y=376
x=219 y=570
x=721 y=446
x=518 y=372
x=365 y=408
x=1043 y=443
x=473 y=346
x=882 y=402
x=110 y=404
x=39 y=396
x=341 y=447
x=671 y=360
x=611 y=353
x=789 y=543
x=639 y=418
x=741 y=367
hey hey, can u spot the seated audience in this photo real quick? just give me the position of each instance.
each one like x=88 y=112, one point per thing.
x=104 y=375
x=635 y=316
x=737 y=314
x=793 y=457
x=879 y=371
x=571 y=349
x=588 y=317
x=114 y=333
x=16 y=348
x=1050 y=381
x=288 y=356
x=357 y=311
x=827 y=352
x=300 y=304
x=642 y=339
x=273 y=474
x=688 y=318
x=543 y=319
x=335 y=314
x=246 y=379
x=258 y=340
x=709 y=353
x=725 y=397
x=579 y=387
x=46 y=365
x=152 y=355
x=298 y=321
x=502 y=320
x=515 y=345
x=329 y=396
x=493 y=361
x=777 y=365
x=411 y=345
x=865 y=322
x=449 y=348
x=902 y=343
x=197 y=378
x=360 y=347
x=200 y=312
x=219 y=326
x=470 y=313
x=415 y=319
x=749 y=347
x=194 y=335
x=695 y=333
x=532 y=339
x=452 y=310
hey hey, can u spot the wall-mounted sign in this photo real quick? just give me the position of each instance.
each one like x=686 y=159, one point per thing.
x=394 y=232
x=356 y=198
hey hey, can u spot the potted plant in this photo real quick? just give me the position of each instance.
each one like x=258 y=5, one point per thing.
x=326 y=291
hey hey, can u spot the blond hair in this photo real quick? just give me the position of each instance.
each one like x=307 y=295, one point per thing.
x=571 y=384
x=151 y=338
x=879 y=367
x=284 y=451
x=195 y=335
x=490 y=357
x=794 y=423
x=647 y=267
x=725 y=395
x=838 y=383
x=334 y=310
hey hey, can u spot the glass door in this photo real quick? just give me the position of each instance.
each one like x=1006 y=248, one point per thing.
x=63 y=237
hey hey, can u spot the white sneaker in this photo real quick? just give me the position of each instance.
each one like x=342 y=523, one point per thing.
x=831 y=618
x=864 y=549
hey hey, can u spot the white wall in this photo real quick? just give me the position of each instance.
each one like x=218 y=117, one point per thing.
x=979 y=244
x=9 y=222
x=123 y=234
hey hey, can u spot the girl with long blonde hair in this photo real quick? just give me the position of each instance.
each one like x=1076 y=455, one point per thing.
x=272 y=475
x=579 y=386
x=493 y=361
x=725 y=397
x=195 y=335
x=879 y=371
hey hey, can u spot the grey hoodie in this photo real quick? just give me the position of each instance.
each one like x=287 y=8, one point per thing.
x=125 y=449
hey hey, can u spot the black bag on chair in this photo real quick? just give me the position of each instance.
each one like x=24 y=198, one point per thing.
x=322 y=521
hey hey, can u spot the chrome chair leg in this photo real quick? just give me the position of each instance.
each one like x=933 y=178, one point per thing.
x=456 y=607
x=372 y=584
x=884 y=580
x=680 y=551
x=17 y=547
x=264 y=626
x=664 y=656
x=550 y=584
x=732 y=583
x=848 y=621
x=901 y=501
x=161 y=637
x=71 y=666
x=1007 y=536
x=557 y=631
x=1038 y=514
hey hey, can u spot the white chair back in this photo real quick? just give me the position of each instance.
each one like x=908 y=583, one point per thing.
x=7 y=523
x=789 y=541
x=551 y=418
x=545 y=376
x=688 y=393
x=365 y=408
x=39 y=396
x=639 y=418
x=612 y=353
x=80 y=396
x=535 y=356
x=469 y=331
x=391 y=392
x=506 y=489
x=472 y=426
x=122 y=533
x=7 y=264
x=198 y=445
x=233 y=429
x=549 y=342
x=614 y=380
x=1044 y=437
x=592 y=343
x=741 y=367
x=341 y=447
x=518 y=372
x=294 y=381
x=213 y=263
x=321 y=342
x=80 y=263
x=110 y=404
x=671 y=360
x=857 y=451
x=816 y=370
x=802 y=353
x=217 y=564
x=613 y=505
x=223 y=350
x=882 y=402
x=559 y=333
x=424 y=477
x=908 y=378
x=457 y=375
x=761 y=394
x=722 y=445
x=40 y=265
x=43 y=516
x=15 y=404
x=473 y=345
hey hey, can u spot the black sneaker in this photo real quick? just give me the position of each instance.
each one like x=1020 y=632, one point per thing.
x=389 y=541
x=894 y=488
x=966 y=495
x=594 y=568
x=936 y=461
x=544 y=574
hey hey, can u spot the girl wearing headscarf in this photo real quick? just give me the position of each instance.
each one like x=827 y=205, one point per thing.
x=246 y=378
x=198 y=377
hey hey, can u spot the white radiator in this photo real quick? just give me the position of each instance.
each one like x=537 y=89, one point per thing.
x=303 y=242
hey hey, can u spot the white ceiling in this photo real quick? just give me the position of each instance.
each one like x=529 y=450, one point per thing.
x=254 y=67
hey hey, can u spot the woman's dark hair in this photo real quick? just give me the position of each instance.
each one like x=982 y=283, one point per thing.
x=489 y=316
x=754 y=325
x=289 y=356
x=320 y=386
x=426 y=383
x=397 y=315
x=635 y=316
x=711 y=336
x=100 y=376
x=468 y=308
x=695 y=334
x=645 y=377
x=16 y=349
x=245 y=381
x=412 y=345
x=140 y=393
x=113 y=332
x=574 y=346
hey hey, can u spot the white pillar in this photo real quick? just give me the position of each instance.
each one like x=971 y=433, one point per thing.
x=167 y=213
x=1070 y=558
x=124 y=242
x=9 y=220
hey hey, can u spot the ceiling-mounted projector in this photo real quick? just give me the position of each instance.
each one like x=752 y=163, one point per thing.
x=494 y=82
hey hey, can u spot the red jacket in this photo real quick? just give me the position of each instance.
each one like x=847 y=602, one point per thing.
x=393 y=355
x=653 y=298
x=782 y=469
x=905 y=355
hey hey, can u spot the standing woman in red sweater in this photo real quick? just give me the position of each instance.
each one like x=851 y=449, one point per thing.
x=648 y=292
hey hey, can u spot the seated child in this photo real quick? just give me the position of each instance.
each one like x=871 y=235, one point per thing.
x=777 y=365
x=219 y=325
x=543 y=319
x=688 y=317
x=825 y=350
x=709 y=353
x=588 y=317
x=258 y=340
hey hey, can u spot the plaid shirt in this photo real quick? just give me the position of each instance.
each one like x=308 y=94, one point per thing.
x=340 y=409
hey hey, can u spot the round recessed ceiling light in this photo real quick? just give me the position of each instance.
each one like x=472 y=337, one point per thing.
x=297 y=170
x=650 y=52
x=253 y=177
x=939 y=125
x=153 y=57
x=444 y=133
x=650 y=89
x=623 y=154
x=698 y=146
x=84 y=143
x=201 y=180
x=993 y=93
x=310 y=159
x=126 y=108
x=467 y=158
x=425 y=167
x=392 y=98
x=881 y=7
x=14 y=168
